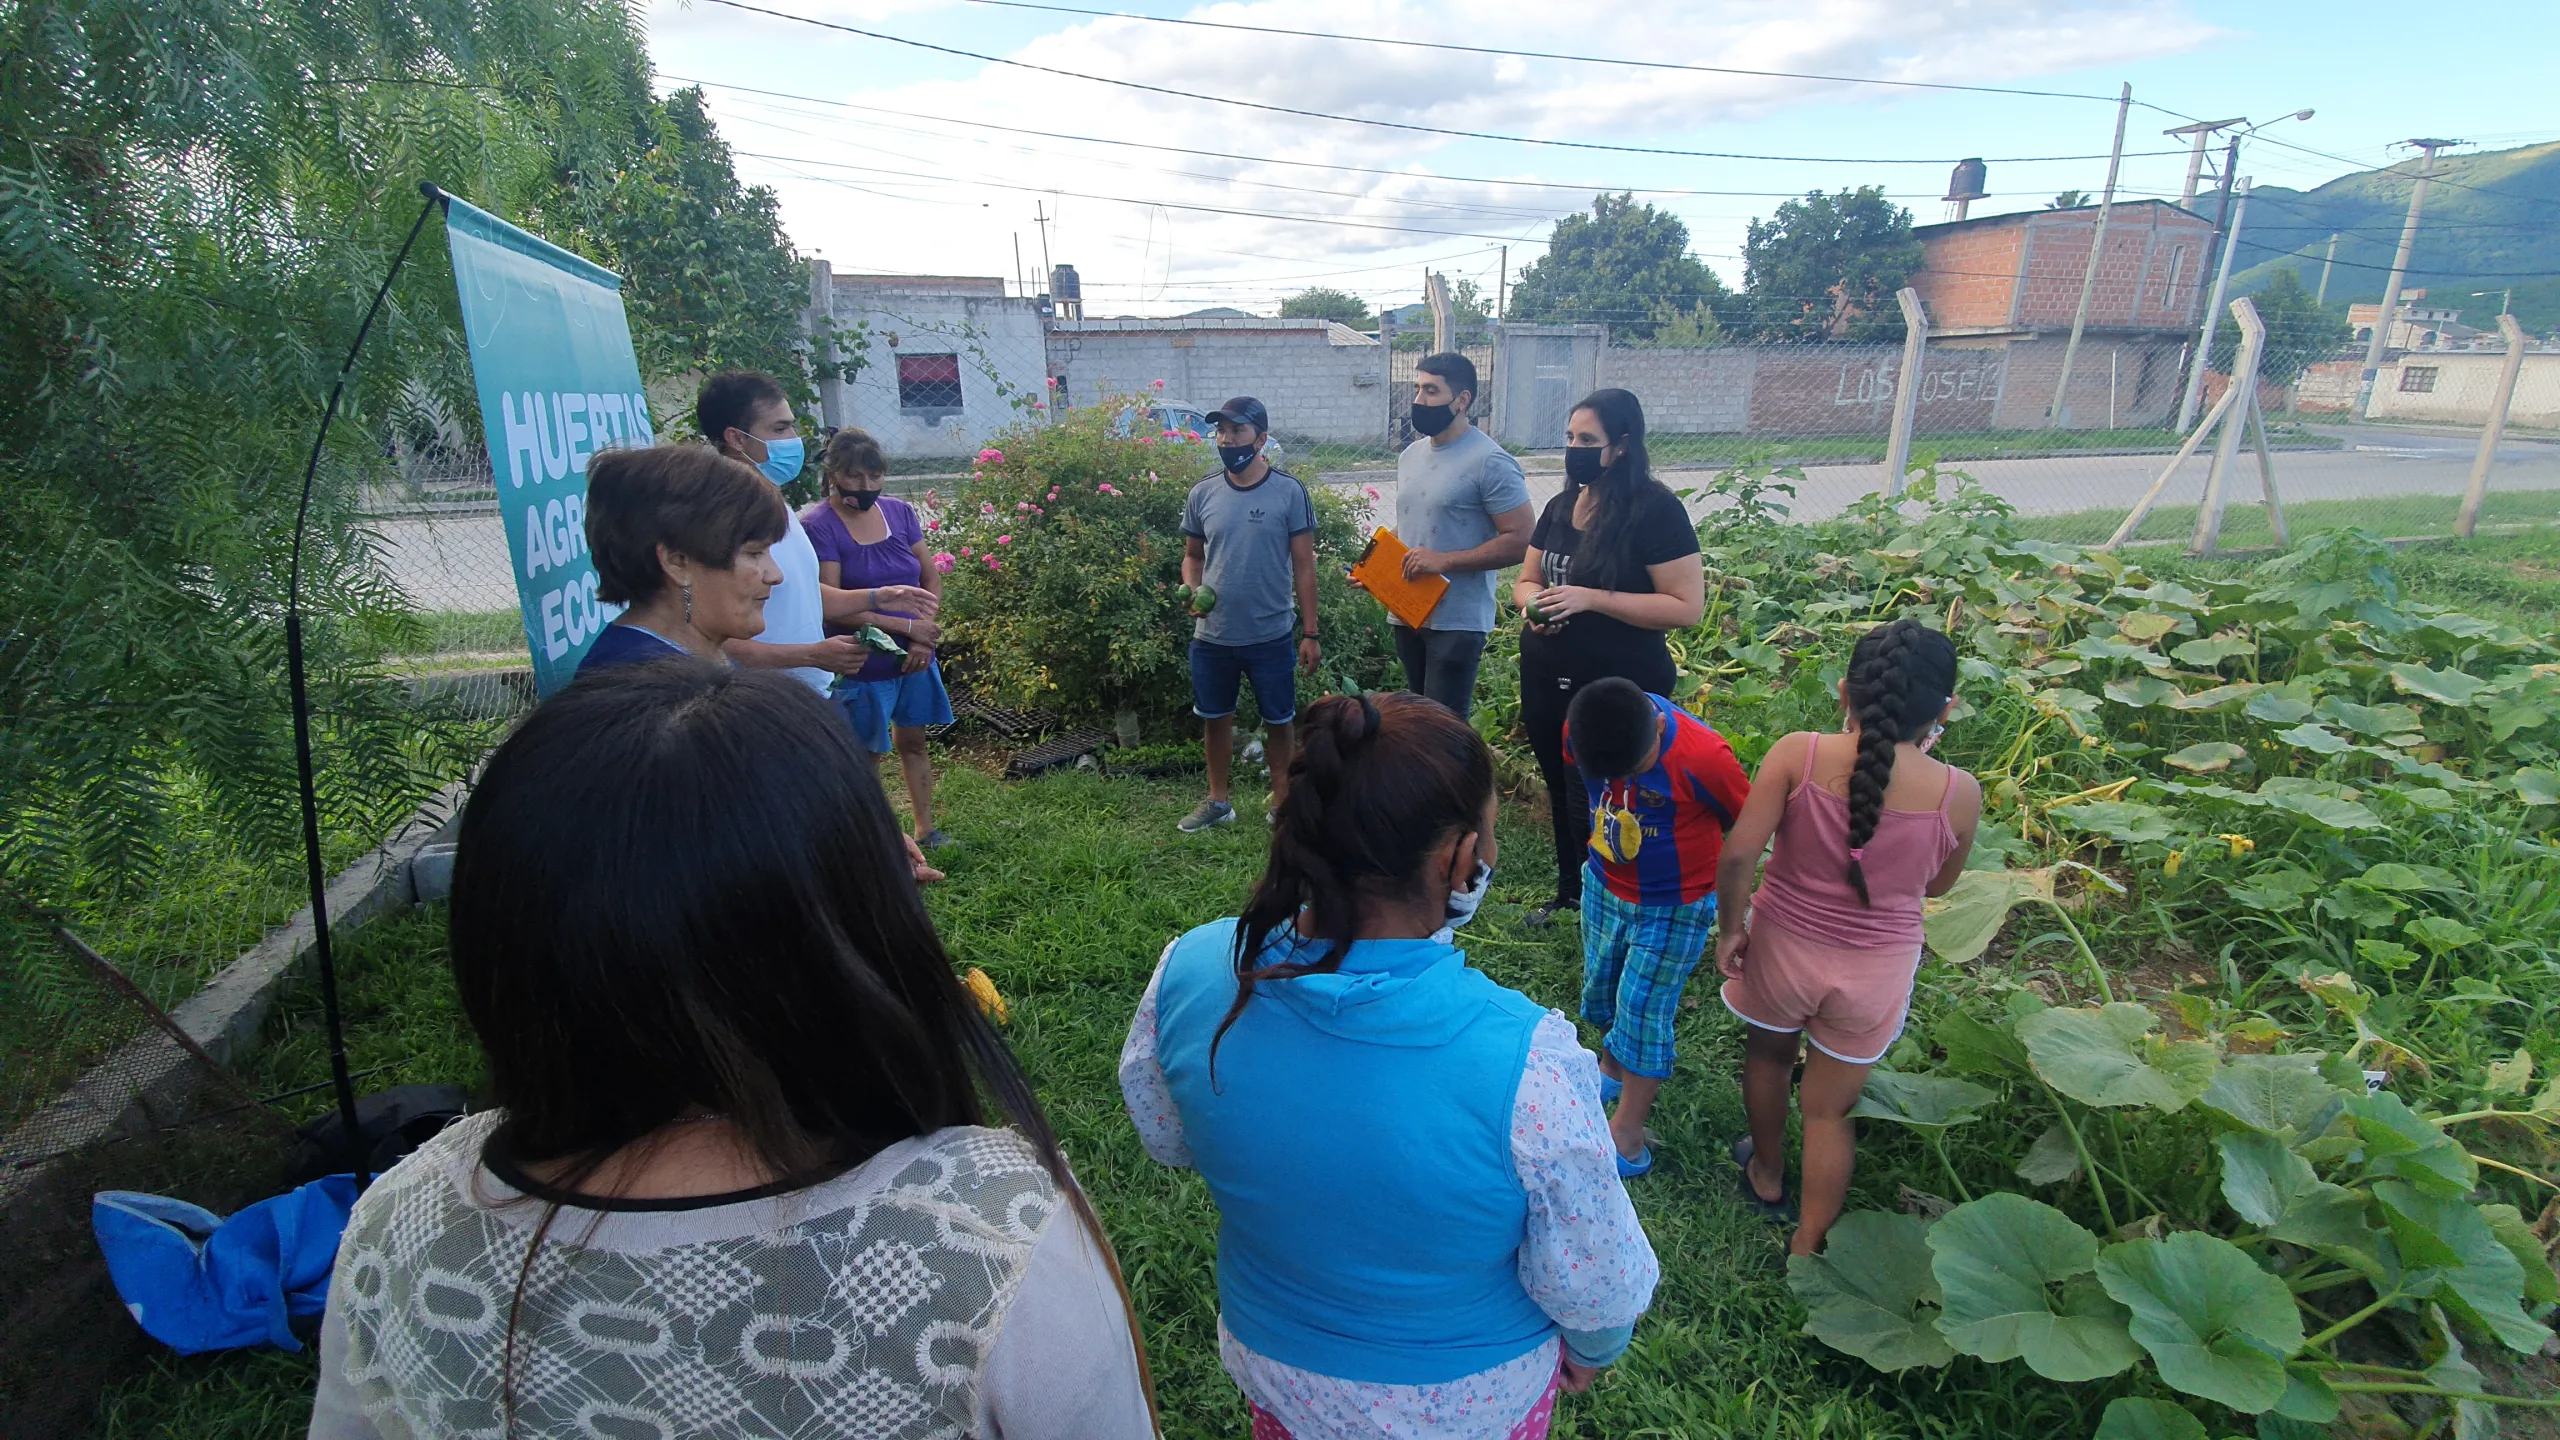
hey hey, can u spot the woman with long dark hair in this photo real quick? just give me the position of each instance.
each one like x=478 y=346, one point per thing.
x=742 y=1174
x=1422 y=1230
x=1612 y=565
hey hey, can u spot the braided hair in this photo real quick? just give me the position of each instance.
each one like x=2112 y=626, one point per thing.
x=1378 y=782
x=1900 y=676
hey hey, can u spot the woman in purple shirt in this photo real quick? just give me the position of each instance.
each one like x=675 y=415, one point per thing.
x=865 y=540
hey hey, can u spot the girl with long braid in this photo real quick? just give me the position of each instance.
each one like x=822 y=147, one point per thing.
x=1820 y=962
x=1421 y=1230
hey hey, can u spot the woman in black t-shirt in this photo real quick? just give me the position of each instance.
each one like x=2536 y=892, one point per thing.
x=1612 y=565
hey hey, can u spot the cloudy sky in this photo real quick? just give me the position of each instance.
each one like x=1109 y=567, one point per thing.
x=891 y=157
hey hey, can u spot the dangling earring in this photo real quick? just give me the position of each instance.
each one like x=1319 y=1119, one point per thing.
x=688 y=604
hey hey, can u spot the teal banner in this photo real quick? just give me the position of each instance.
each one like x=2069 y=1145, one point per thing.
x=551 y=351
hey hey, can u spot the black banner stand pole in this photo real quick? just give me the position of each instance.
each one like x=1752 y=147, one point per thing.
x=298 y=679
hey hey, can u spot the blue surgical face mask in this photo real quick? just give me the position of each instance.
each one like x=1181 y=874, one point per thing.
x=783 y=459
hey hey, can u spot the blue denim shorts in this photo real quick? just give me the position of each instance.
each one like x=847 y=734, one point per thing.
x=1218 y=672
x=901 y=700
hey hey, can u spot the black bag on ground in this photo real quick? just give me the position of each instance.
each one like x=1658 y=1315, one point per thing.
x=391 y=1123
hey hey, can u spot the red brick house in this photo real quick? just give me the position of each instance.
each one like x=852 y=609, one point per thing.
x=2010 y=284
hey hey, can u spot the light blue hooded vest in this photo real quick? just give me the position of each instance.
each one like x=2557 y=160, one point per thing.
x=1357 y=1140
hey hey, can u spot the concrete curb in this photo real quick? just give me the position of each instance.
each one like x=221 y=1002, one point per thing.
x=148 y=1079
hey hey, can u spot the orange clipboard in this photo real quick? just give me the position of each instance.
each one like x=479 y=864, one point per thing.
x=1380 y=570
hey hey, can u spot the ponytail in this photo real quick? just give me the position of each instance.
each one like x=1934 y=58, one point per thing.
x=1900 y=676
x=1378 y=782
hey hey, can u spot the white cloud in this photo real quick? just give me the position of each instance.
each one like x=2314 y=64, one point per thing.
x=1122 y=247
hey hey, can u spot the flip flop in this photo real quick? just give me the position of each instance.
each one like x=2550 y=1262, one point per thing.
x=1630 y=1169
x=1782 y=1209
x=1610 y=1086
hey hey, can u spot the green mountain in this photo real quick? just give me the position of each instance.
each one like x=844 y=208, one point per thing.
x=2492 y=222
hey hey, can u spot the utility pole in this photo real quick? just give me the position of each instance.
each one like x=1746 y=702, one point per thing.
x=1502 y=284
x=1043 y=221
x=2202 y=131
x=2060 y=413
x=2323 y=297
x=1019 y=288
x=2228 y=229
x=2399 y=269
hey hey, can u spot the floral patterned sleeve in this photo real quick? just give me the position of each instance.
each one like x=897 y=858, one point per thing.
x=1585 y=1260
x=1142 y=1084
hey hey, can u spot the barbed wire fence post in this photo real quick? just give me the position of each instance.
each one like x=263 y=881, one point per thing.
x=2476 y=491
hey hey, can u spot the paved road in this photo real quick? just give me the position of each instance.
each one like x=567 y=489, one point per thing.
x=458 y=560
x=2375 y=462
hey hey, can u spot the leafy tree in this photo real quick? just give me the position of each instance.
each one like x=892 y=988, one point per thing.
x=2068 y=200
x=1326 y=303
x=1826 y=267
x=2300 y=331
x=1624 y=265
x=1693 y=329
x=709 y=281
x=196 y=205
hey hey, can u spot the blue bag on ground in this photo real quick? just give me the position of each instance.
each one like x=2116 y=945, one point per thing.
x=196 y=1281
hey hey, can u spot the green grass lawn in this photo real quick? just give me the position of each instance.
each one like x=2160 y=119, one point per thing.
x=2245 y=525
x=1065 y=889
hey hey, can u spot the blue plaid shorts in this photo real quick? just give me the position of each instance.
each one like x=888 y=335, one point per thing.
x=1635 y=959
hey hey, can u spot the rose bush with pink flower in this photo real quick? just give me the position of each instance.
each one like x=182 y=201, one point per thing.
x=1068 y=547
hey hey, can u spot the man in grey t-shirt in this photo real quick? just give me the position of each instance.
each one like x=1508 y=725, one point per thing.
x=1249 y=541
x=1463 y=510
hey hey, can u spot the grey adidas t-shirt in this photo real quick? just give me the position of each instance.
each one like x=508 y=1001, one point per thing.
x=1446 y=498
x=1246 y=533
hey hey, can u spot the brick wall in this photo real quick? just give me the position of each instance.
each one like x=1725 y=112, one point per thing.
x=2027 y=269
x=2143 y=370
x=1969 y=274
x=1314 y=388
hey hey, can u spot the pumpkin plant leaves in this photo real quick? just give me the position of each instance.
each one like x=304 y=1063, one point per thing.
x=2402 y=1144
x=1979 y=1049
x=2275 y=888
x=2445 y=687
x=2143 y=690
x=2278 y=709
x=1930 y=1101
x=2125 y=822
x=2207 y=757
x=2015 y=1276
x=2315 y=739
x=2108 y=1056
x=2536 y=786
x=2454 y=1371
x=2146 y=627
x=2132 y=1417
x=1871 y=1292
x=2052 y=1159
x=2511 y=1076
x=1960 y=924
x=2541 y=1284
x=2215 y=1324
x=2280 y=1095
x=2261 y=1175
x=2483 y=1282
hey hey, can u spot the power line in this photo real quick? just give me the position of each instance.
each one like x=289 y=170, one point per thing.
x=1537 y=54
x=1401 y=125
x=1584 y=188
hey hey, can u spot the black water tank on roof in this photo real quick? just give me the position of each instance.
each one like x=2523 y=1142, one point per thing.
x=1064 y=285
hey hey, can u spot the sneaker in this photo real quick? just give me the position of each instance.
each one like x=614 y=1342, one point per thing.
x=1211 y=812
x=934 y=839
x=1545 y=915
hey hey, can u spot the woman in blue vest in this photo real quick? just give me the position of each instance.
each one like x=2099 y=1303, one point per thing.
x=1422 y=1232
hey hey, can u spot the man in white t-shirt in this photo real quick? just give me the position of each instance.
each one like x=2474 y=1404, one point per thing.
x=747 y=415
x=749 y=418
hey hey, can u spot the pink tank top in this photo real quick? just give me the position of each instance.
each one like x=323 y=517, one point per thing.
x=1806 y=886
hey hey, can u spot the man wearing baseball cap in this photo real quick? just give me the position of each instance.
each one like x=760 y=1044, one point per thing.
x=1248 y=551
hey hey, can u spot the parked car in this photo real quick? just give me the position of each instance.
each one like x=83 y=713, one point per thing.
x=1174 y=417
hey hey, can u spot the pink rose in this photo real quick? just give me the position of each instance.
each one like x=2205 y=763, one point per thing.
x=1053 y=492
x=933 y=524
x=991 y=456
x=1004 y=539
x=1021 y=505
x=994 y=564
x=1159 y=384
x=942 y=561
x=1036 y=510
x=964 y=552
x=1053 y=382
x=1369 y=490
x=986 y=508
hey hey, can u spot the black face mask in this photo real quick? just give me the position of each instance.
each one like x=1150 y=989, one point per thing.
x=1237 y=458
x=1432 y=419
x=862 y=499
x=1582 y=464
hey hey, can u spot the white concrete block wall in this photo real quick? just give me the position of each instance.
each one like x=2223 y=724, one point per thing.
x=2465 y=383
x=1685 y=392
x=1002 y=356
x=1314 y=388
